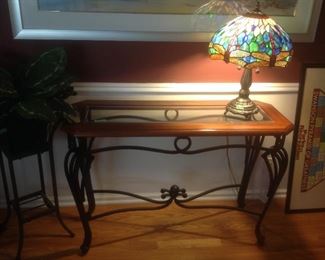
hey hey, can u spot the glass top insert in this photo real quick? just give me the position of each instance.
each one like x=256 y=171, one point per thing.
x=171 y=115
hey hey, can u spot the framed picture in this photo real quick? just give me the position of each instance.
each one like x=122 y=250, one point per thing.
x=306 y=186
x=151 y=20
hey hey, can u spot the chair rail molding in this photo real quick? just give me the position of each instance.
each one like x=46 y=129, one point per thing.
x=177 y=90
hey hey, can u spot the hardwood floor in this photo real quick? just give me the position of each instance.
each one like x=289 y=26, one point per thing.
x=174 y=233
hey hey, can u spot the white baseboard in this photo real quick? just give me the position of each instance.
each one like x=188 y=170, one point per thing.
x=105 y=199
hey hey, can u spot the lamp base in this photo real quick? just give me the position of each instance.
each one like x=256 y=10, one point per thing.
x=241 y=107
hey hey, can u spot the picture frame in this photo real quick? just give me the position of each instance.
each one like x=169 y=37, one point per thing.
x=28 y=22
x=306 y=183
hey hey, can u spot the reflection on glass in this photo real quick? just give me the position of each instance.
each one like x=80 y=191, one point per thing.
x=270 y=7
x=169 y=115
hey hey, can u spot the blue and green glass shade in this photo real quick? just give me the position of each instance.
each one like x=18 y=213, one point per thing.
x=250 y=41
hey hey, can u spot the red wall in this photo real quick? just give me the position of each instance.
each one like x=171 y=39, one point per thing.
x=151 y=61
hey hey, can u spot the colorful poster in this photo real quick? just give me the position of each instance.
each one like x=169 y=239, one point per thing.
x=306 y=185
x=314 y=170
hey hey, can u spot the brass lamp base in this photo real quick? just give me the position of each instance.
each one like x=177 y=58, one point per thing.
x=242 y=107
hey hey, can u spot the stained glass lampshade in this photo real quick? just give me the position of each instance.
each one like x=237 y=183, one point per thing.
x=250 y=41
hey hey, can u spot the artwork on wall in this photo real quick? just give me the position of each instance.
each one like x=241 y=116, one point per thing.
x=306 y=188
x=275 y=7
x=151 y=20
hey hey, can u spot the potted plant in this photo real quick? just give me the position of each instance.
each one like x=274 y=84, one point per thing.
x=32 y=100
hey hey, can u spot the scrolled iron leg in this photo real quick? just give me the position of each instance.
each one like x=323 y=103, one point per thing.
x=253 y=148
x=72 y=169
x=55 y=193
x=276 y=171
x=260 y=239
x=87 y=184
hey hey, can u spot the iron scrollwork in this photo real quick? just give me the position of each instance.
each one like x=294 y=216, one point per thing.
x=81 y=154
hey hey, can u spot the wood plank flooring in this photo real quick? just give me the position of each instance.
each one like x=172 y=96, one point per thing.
x=173 y=233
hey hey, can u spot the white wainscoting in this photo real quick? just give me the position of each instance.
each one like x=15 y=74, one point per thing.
x=145 y=173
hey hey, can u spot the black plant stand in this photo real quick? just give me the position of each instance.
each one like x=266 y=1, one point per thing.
x=43 y=206
x=4 y=222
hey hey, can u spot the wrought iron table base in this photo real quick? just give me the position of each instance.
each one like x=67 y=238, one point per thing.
x=80 y=156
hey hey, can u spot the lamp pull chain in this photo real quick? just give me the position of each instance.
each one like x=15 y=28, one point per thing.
x=258 y=6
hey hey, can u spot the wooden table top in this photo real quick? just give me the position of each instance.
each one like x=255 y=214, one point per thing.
x=105 y=118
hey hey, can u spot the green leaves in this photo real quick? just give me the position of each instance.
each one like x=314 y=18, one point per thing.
x=7 y=89
x=39 y=89
x=54 y=88
x=46 y=68
x=35 y=108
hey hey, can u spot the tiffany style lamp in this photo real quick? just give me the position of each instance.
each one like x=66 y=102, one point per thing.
x=251 y=41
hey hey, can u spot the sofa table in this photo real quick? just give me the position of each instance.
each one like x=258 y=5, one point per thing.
x=180 y=120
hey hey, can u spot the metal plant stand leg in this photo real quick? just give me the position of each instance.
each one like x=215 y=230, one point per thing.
x=17 y=209
x=17 y=200
x=3 y=224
